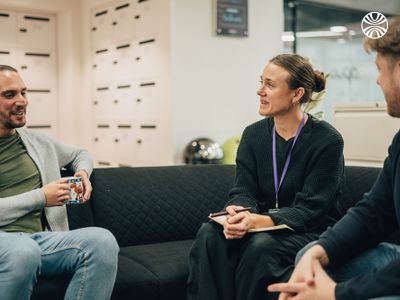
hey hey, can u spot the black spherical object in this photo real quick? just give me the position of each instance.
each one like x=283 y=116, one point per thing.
x=203 y=151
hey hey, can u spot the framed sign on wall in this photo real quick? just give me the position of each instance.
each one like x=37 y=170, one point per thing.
x=232 y=18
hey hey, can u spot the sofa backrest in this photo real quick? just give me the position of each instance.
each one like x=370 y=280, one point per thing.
x=156 y=204
x=358 y=181
x=80 y=215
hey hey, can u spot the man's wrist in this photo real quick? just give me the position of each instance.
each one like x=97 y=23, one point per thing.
x=319 y=253
x=82 y=171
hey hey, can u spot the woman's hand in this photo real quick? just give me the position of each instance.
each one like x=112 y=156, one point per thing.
x=237 y=224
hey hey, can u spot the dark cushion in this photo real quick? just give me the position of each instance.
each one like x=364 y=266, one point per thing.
x=358 y=181
x=167 y=262
x=158 y=204
x=80 y=215
x=134 y=281
x=50 y=288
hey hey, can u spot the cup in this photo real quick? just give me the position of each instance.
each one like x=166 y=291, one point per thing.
x=75 y=190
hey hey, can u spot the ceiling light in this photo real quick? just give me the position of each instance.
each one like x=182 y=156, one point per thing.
x=311 y=34
x=338 y=28
x=288 y=37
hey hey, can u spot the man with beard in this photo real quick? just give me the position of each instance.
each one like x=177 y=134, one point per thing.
x=359 y=264
x=33 y=220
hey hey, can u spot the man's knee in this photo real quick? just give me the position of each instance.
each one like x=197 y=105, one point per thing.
x=102 y=244
x=20 y=257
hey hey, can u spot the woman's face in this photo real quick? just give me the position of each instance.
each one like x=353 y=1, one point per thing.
x=276 y=98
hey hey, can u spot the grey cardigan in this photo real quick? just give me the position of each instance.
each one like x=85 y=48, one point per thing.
x=49 y=156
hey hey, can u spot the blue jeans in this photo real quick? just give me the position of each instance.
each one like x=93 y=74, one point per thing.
x=88 y=255
x=375 y=258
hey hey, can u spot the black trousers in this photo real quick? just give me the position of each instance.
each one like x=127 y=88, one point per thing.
x=221 y=269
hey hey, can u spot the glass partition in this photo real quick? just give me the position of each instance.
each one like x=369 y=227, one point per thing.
x=331 y=37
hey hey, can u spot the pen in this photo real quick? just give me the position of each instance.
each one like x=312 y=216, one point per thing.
x=224 y=213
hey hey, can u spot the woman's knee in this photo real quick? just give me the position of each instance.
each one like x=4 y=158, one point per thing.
x=207 y=231
x=261 y=243
x=208 y=238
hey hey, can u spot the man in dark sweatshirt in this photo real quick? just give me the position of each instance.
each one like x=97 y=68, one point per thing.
x=359 y=265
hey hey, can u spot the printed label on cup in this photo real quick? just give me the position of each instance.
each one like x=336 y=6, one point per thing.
x=75 y=190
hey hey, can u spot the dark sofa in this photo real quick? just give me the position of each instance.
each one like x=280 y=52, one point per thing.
x=154 y=213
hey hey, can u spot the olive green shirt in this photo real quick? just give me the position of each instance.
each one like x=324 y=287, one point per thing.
x=18 y=174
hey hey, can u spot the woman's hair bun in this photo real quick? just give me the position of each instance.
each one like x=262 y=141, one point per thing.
x=320 y=80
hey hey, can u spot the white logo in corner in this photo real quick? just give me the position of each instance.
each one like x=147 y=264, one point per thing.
x=374 y=25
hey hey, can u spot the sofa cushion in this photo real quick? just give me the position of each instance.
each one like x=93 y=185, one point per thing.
x=80 y=215
x=167 y=262
x=359 y=180
x=50 y=288
x=134 y=281
x=158 y=204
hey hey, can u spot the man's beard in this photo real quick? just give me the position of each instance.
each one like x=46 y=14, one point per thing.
x=393 y=107
x=11 y=125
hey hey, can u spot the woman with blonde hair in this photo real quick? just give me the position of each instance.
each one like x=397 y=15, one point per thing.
x=289 y=170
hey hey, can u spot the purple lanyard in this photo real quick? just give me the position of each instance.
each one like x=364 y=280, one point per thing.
x=285 y=168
